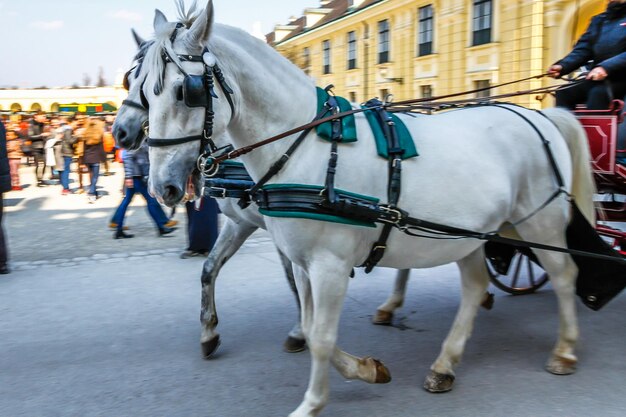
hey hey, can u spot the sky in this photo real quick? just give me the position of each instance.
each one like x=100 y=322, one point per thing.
x=58 y=43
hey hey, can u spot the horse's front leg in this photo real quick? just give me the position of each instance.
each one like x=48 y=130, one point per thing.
x=384 y=313
x=474 y=280
x=295 y=341
x=322 y=291
x=230 y=239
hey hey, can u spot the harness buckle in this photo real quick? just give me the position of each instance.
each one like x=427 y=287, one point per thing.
x=221 y=190
x=393 y=215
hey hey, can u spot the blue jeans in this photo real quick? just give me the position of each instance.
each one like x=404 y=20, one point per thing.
x=154 y=208
x=65 y=174
x=94 y=171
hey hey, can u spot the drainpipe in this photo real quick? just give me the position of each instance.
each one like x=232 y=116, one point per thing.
x=366 y=60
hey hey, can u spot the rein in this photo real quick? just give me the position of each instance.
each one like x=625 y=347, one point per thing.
x=429 y=104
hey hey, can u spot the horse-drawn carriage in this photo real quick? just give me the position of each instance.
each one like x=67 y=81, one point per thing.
x=538 y=196
x=607 y=142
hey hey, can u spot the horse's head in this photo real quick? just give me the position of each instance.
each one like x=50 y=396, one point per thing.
x=184 y=110
x=132 y=117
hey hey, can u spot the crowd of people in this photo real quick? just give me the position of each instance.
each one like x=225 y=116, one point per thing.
x=58 y=147
x=53 y=145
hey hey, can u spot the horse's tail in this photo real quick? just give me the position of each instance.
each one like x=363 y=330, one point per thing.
x=583 y=185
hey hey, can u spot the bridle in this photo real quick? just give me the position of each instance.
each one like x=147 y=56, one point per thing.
x=197 y=91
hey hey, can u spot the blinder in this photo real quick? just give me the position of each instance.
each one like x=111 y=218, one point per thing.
x=195 y=92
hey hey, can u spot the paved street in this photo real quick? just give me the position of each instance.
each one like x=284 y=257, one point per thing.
x=91 y=326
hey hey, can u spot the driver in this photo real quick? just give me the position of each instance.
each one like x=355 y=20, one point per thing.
x=604 y=44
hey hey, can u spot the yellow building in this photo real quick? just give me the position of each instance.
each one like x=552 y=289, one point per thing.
x=422 y=48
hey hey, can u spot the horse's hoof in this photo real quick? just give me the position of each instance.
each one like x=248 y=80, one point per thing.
x=210 y=346
x=488 y=301
x=383 y=376
x=559 y=365
x=382 y=318
x=294 y=345
x=436 y=382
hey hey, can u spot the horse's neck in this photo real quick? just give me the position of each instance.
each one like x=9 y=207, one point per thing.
x=271 y=95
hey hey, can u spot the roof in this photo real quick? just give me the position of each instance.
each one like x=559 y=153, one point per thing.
x=338 y=10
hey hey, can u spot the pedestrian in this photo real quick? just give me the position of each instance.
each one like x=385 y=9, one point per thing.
x=37 y=138
x=79 y=152
x=14 y=153
x=67 y=154
x=93 y=153
x=136 y=169
x=602 y=44
x=52 y=147
x=201 y=227
x=5 y=186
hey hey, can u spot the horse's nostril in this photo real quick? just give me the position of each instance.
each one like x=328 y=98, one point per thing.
x=172 y=195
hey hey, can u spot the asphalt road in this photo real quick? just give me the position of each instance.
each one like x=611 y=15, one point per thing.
x=89 y=327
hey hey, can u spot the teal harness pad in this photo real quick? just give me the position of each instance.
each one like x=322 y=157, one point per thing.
x=348 y=125
x=404 y=137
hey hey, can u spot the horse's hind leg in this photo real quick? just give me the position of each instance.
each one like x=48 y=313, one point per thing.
x=474 y=281
x=563 y=272
x=229 y=240
x=295 y=340
x=384 y=313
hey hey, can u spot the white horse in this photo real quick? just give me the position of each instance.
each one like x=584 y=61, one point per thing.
x=128 y=129
x=481 y=168
x=239 y=225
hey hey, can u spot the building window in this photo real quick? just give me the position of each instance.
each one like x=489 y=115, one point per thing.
x=426 y=91
x=480 y=84
x=326 y=63
x=425 y=31
x=352 y=97
x=481 y=27
x=306 y=60
x=352 y=52
x=383 y=94
x=383 y=41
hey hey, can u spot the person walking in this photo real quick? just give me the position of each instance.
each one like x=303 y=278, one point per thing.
x=14 y=153
x=5 y=186
x=201 y=227
x=136 y=169
x=602 y=44
x=37 y=139
x=93 y=153
x=68 y=139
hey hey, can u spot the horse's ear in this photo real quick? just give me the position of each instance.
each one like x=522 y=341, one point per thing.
x=159 y=20
x=200 y=31
x=138 y=39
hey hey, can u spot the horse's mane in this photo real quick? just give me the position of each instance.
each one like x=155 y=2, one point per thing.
x=187 y=17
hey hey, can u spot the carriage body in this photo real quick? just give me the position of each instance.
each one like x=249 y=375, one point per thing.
x=606 y=134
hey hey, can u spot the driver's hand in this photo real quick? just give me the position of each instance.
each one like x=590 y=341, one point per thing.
x=597 y=74
x=555 y=71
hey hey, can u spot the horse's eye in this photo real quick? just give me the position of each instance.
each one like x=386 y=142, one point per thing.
x=179 y=92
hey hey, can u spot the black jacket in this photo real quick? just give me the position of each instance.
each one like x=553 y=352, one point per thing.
x=604 y=43
x=35 y=134
x=5 y=176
